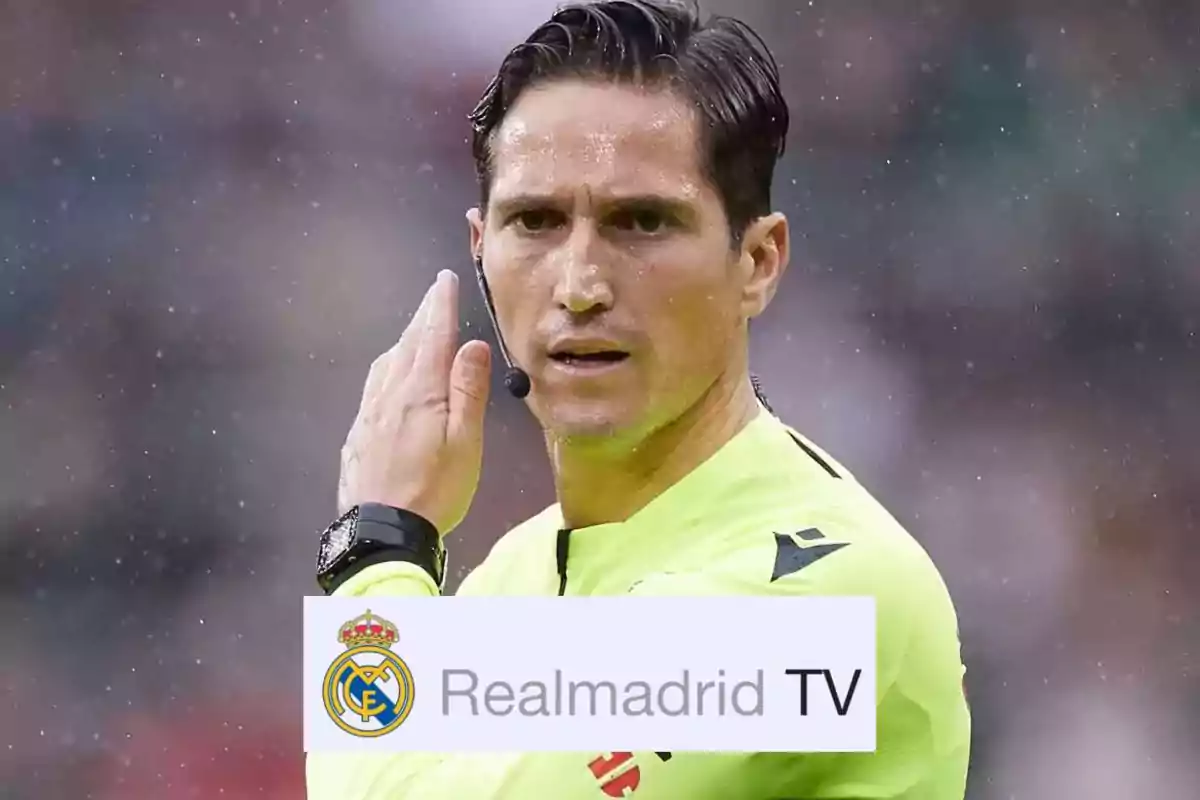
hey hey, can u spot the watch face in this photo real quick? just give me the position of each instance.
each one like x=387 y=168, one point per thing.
x=336 y=540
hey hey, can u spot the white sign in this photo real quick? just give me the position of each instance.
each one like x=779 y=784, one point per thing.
x=509 y=674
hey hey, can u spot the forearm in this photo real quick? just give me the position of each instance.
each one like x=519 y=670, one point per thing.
x=391 y=579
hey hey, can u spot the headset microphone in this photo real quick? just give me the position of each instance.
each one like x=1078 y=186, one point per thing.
x=516 y=380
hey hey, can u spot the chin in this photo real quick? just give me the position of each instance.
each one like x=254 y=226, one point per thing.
x=583 y=420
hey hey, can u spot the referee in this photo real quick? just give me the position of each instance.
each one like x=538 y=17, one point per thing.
x=624 y=241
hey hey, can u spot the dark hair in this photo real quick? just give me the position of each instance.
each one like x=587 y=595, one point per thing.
x=721 y=65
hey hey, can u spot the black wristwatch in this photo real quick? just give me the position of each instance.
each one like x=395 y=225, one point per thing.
x=373 y=533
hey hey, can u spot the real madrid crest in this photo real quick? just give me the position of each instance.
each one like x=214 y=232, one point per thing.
x=368 y=689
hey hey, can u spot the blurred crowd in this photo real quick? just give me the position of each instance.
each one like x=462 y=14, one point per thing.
x=214 y=215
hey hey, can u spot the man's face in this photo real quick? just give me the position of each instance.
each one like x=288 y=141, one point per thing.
x=609 y=258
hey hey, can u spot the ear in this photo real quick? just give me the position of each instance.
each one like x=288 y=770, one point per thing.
x=475 y=223
x=763 y=260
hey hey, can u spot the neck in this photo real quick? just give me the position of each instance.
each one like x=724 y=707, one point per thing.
x=597 y=485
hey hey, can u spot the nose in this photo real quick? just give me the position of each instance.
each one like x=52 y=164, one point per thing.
x=582 y=284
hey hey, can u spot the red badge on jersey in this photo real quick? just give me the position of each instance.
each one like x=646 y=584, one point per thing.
x=617 y=773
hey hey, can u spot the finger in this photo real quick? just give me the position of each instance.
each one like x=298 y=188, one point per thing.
x=375 y=378
x=406 y=349
x=470 y=382
x=439 y=340
x=391 y=362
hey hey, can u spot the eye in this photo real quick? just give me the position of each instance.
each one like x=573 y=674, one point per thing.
x=647 y=221
x=536 y=220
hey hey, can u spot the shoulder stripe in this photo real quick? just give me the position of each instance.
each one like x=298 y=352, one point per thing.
x=814 y=455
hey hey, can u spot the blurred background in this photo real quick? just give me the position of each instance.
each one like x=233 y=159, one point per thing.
x=214 y=215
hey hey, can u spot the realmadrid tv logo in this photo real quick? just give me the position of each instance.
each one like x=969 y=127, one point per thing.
x=368 y=690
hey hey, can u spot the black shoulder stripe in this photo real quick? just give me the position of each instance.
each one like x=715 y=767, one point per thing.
x=815 y=456
x=562 y=552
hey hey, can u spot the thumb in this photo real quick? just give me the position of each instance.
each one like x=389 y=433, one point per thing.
x=470 y=382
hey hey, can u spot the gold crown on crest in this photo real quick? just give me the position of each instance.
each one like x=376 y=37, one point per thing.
x=368 y=629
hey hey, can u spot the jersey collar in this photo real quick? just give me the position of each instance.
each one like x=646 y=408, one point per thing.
x=729 y=483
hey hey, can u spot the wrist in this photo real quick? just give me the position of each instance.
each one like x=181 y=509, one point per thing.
x=373 y=533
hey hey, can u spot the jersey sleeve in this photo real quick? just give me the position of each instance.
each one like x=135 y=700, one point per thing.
x=433 y=776
x=511 y=566
x=346 y=776
x=389 y=579
x=922 y=719
x=923 y=725
x=916 y=625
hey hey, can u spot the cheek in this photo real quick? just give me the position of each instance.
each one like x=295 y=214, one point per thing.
x=516 y=295
x=693 y=322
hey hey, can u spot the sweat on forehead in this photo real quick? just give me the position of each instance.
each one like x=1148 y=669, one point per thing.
x=596 y=134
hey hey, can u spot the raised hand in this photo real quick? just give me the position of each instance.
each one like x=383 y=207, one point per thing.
x=417 y=442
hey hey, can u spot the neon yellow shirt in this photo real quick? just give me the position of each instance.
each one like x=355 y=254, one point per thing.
x=770 y=513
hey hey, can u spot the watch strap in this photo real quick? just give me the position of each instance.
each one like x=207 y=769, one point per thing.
x=383 y=533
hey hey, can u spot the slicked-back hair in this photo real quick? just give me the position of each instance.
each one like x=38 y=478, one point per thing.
x=720 y=65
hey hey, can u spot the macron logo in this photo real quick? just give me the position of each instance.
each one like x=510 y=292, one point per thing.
x=791 y=557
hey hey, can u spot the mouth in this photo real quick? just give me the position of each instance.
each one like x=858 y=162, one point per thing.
x=589 y=360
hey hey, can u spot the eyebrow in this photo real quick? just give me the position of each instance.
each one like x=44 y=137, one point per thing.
x=677 y=206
